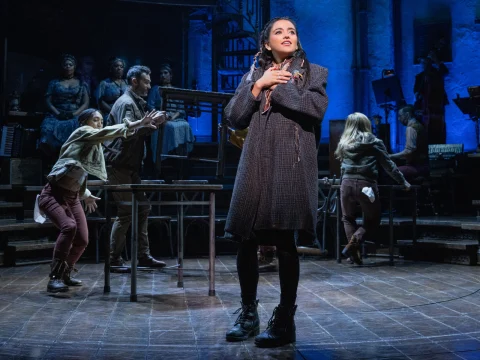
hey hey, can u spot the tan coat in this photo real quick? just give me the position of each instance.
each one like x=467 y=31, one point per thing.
x=84 y=149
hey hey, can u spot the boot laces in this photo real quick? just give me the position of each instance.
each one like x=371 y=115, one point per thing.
x=273 y=320
x=58 y=268
x=243 y=317
x=67 y=275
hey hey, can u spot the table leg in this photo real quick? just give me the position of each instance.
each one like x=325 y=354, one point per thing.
x=339 y=214
x=390 y=224
x=133 y=278
x=108 y=220
x=211 y=265
x=414 y=216
x=180 y=242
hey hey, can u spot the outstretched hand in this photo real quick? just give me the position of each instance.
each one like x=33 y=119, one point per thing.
x=148 y=120
x=159 y=117
x=90 y=204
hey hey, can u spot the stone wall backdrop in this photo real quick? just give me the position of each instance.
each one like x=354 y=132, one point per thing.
x=332 y=34
x=464 y=67
x=327 y=34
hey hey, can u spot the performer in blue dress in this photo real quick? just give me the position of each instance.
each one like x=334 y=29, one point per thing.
x=66 y=98
x=177 y=138
x=112 y=88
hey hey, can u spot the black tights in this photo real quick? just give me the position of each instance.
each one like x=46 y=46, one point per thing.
x=288 y=267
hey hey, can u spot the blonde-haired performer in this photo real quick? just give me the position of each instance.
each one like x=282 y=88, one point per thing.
x=360 y=153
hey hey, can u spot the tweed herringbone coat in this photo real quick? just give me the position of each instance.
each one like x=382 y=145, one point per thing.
x=276 y=183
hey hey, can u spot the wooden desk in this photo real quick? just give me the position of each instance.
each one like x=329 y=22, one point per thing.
x=180 y=203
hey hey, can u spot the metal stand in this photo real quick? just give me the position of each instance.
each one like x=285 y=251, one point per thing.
x=471 y=106
x=108 y=221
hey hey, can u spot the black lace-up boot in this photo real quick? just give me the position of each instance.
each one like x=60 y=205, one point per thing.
x=247 y=323
x=56 y=277
x=68 y=279
x=280 y=329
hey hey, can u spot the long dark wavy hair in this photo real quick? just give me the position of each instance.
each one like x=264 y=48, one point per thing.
x=265 y=56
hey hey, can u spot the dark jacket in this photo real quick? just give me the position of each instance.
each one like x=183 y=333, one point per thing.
x=361 y=161
x=276 y=183
x=127 y=153
x=432 y=88
x=416 y=146
x=419 y=157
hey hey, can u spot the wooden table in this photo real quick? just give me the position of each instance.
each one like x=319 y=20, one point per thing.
x=180 y=203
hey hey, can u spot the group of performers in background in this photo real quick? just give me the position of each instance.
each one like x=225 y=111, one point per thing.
x=275 y=197
x=74 y=91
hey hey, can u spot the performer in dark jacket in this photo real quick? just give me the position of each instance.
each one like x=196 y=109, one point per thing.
x=360 y=153
x=276 y=191
x=415 y=153
x=431 y=98
x=124 y=158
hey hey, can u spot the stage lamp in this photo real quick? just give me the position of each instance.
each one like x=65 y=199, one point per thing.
x=387 y=72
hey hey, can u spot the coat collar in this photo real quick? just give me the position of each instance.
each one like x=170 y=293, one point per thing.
x=138 y=99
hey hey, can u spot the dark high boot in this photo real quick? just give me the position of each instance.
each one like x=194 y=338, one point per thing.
x=247 y=323
x=56 y=277
x=352 y=250
x=68 y=279
x=280 y=329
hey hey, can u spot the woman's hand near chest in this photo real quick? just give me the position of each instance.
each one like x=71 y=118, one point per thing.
x=270 y=79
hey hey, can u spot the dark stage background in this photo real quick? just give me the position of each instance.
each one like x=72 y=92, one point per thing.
x=40 y=31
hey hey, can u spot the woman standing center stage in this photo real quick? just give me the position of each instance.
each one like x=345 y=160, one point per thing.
x=276 y=190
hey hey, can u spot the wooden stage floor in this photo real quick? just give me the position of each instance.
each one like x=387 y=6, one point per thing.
x=413 y=310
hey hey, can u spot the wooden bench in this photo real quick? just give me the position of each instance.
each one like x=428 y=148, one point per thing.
x=8 y=204
x=7 y=225
x=13 y=249
x=463 y=252
x=19 y=192
x=12 y=195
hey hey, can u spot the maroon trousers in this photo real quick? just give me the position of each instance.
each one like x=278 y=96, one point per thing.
x=350 y=196
x=64 y=209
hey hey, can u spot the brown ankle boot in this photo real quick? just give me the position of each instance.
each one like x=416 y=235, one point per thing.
x=352 y=250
